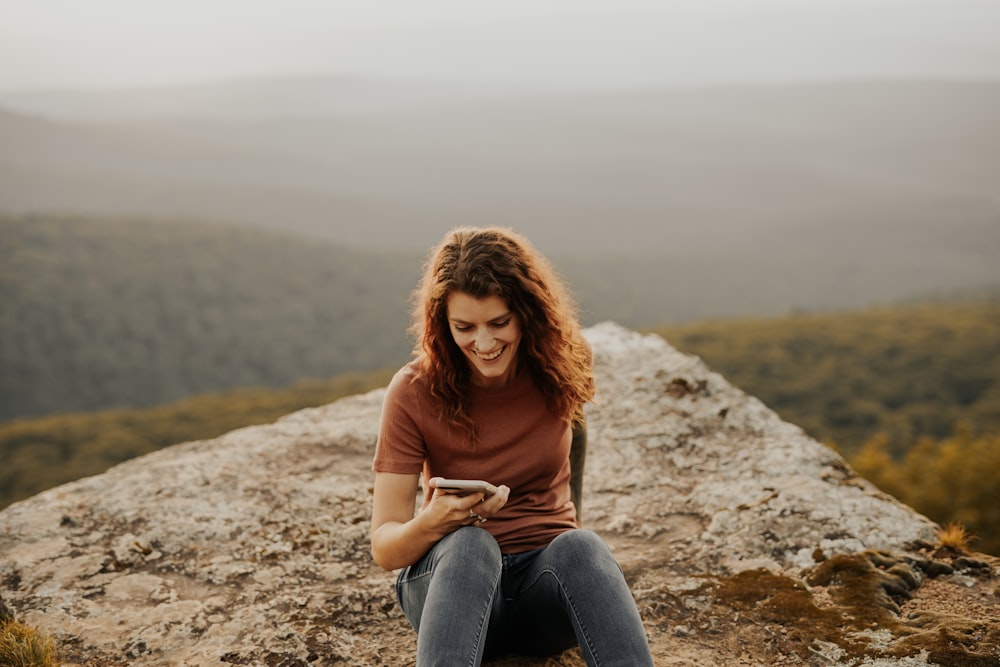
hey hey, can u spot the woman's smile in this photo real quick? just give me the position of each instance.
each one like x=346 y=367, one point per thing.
x=492 y=356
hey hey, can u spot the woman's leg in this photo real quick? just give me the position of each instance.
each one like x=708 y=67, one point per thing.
x=447 y=597
x=576 y=576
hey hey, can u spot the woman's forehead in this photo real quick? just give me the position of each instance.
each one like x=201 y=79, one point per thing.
x=467 y=308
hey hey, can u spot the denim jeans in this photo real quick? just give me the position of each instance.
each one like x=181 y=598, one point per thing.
x=467 y=601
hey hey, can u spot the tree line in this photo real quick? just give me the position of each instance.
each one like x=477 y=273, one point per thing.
x=130 y=313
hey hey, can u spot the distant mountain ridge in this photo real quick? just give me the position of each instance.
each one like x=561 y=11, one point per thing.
x=249 y=98
x=664 y=173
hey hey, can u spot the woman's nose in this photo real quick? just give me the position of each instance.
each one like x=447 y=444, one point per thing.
x=484 y=339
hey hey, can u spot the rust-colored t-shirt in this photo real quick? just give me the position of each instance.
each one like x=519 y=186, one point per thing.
x=521 y=444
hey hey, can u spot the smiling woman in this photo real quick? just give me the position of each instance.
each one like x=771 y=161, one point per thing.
x=498 y=383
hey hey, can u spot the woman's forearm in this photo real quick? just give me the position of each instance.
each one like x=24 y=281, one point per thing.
x=396 y=544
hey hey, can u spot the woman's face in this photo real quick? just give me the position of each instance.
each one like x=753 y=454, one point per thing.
x=488 y=334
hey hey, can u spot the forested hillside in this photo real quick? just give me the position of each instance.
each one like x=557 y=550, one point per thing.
x=127 y=313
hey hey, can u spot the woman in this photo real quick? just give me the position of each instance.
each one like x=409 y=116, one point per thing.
x=501 y=371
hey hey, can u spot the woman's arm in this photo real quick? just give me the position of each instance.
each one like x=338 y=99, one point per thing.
x=397 y=539
x=400 y=537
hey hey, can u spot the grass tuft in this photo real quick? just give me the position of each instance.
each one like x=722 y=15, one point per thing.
x=955 y=536
x=24 y=646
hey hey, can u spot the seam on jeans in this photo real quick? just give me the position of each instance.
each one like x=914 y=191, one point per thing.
x=483 y=618
x=406 y=580
x=572 y=605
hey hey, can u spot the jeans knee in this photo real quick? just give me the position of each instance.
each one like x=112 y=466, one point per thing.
x=583 y=550
x=582 y=536
x=583 y=541
x=471 y=544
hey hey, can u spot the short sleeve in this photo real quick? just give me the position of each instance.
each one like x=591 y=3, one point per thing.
x=401 y=446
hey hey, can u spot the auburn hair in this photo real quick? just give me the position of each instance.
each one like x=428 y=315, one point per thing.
x=493 y=261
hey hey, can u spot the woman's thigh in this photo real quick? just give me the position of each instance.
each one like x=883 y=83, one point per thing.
x=457 y=576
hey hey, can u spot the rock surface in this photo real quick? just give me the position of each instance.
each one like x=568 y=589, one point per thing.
x=745 y=542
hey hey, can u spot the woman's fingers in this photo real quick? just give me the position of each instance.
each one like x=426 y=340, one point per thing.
x=469 y=510
x=488 y=507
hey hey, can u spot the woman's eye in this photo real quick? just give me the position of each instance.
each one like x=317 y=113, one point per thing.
x=500 y=325
x=462 y=327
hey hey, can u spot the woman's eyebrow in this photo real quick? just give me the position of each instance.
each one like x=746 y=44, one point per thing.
x=458 y=320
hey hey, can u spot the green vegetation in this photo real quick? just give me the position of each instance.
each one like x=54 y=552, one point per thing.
x=47 y=451
x=101 y=314
x=911 y=395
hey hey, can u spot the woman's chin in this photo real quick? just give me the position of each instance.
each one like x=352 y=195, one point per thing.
x=495 y=372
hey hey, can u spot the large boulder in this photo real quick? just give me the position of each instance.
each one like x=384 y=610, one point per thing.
x=745 y=541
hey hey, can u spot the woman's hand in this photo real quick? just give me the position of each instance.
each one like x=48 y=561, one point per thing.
x=452 y=510
x=399 y=538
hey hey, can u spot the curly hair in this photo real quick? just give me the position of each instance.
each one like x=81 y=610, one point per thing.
x=493 y=261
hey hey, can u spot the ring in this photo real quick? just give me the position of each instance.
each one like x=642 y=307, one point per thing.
x=479 y=519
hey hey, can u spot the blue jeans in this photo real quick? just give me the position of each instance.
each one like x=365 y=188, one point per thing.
x=467 y=601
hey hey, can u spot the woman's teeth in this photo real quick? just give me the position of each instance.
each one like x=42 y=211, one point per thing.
x=491 y=357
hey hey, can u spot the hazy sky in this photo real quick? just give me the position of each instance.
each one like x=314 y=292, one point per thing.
x=578 y=43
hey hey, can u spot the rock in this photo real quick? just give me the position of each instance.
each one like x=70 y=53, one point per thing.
x=745 y=541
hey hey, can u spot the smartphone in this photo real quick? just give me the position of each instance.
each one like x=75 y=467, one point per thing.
x=464 y=486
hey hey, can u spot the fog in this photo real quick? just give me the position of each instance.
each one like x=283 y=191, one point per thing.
x=550 y=44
